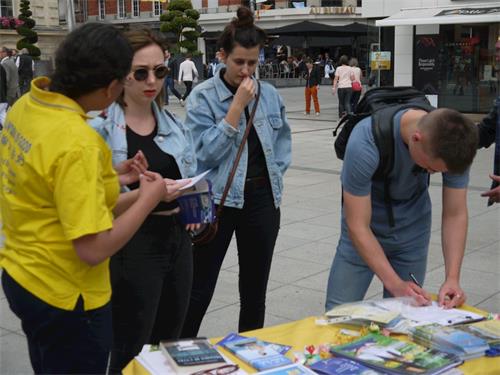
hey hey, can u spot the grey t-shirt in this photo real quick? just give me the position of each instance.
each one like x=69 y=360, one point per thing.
x=411 y=203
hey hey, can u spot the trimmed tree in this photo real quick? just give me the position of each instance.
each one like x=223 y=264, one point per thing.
x=29 y=37
x=182 y=20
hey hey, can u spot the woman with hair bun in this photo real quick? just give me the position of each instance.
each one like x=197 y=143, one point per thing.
x=151 y=275
x=217 y=114
x=58 y=197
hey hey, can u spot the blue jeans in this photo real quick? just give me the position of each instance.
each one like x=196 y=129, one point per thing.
x=170 y=84
x=350 y=276
x=61 y=341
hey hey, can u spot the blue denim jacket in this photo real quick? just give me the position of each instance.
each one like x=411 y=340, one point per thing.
x=172 y=138
x=217 y=142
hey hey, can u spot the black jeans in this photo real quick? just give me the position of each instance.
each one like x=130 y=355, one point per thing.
x=189 y=87
x=61 y=341
x=354 y=100
x=256 y=226
x=170 y=84
x=151 y=279
x=344 y=101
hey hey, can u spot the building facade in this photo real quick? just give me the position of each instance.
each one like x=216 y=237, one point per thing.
x=444 y=47
x=215 y=14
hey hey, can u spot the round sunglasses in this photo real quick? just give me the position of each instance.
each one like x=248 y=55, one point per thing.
x=141 y=74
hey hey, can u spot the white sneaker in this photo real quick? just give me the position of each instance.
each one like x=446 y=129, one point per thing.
x=182 y=103
x=306 y=113
x=317 y=113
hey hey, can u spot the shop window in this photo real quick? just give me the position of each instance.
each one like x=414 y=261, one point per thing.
x=467 y=73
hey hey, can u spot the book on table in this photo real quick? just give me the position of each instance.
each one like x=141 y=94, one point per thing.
x=257 y=353
x=191 y=355
x=449 y=339
x=392 y=356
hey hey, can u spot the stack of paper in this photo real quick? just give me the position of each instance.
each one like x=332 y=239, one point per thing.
x=450 y=340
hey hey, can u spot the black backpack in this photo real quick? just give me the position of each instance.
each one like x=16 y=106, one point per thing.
x=382 y=104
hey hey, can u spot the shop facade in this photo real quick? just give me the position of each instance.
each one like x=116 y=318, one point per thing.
x=445 y=48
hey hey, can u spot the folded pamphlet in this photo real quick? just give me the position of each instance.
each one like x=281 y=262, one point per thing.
x=196 y=203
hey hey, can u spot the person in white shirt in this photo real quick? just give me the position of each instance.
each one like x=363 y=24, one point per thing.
x=187 y=74
x=342 y=81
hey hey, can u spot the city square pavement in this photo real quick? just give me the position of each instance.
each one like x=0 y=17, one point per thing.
x=309 y=232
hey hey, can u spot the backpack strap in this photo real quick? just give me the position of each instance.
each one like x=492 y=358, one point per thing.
x=383 y=133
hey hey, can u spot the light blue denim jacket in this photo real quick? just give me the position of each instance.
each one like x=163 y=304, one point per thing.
x=217 y=142
x=172 y=138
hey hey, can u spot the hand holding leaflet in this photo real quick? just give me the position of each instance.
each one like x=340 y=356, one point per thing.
x=196 y=202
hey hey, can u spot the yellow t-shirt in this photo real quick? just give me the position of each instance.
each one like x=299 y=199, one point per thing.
x=57 y=184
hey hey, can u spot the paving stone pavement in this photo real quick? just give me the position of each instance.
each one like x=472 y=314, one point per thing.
x=308 y=236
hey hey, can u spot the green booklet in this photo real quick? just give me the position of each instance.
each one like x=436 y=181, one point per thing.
x=393 y=356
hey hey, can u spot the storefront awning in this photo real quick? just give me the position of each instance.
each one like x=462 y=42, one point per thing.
x=431 y=16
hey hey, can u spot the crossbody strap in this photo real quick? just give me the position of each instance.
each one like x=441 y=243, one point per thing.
x=238 y=155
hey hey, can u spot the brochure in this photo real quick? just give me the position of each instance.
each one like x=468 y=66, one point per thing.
x=282 y=349
x=392 y=356
x=196 y=203
x=258 y=354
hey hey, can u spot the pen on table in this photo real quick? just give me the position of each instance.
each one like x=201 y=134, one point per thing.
x=412 y=277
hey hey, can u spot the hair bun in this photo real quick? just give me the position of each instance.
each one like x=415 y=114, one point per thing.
x=244 y=18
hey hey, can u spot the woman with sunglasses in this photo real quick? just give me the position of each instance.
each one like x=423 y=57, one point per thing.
x=217 y=114
x=58 y=198
x=151 y=275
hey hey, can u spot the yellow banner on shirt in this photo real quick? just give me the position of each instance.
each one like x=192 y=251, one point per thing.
x=151 y=1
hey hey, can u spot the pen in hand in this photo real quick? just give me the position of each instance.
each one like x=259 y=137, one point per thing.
x=413 y=278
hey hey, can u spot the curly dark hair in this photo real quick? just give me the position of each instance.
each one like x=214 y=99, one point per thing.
x=241 y=30
x=454 y=138
x=89 y=58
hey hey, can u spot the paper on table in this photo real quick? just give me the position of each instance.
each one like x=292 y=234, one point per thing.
x=194 y=180
x=428 y=314
x=365 y=311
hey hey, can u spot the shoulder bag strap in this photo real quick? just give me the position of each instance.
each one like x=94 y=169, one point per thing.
x=238 y=155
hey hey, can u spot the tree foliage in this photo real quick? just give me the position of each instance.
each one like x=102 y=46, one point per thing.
x=29 y=36
x=182 y=20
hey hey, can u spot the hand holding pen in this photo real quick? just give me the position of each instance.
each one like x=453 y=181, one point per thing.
x=413 y=290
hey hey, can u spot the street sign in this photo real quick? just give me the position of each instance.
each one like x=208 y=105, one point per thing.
x=380 y=60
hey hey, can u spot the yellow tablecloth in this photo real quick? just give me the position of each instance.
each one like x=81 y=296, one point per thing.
x=305 y=332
